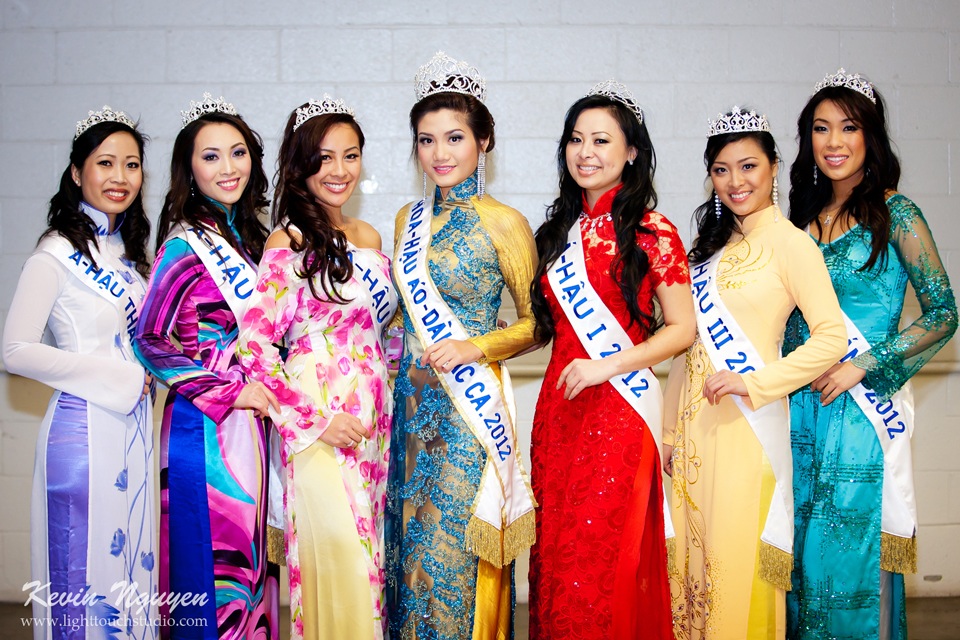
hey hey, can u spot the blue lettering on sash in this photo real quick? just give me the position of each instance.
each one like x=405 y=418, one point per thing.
x=638 y=389
x=595 y=332
x=409 y=261
x=852 y=353
x=231 y=273
x=76 y=257
x=719 y=334
x=477 y=400
x=616 y=348
x=572 y=291
x=700 y=269
x=564 y=268
x=132 y=314
x=883 y=409
x=463 y=371
x=576 y=309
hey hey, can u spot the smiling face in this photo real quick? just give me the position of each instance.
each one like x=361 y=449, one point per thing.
x=742 y=176
x=447 y=149
x=597 y=152
x=112 y=174
x=340 y=167
x=838 y=146
x=221 y=163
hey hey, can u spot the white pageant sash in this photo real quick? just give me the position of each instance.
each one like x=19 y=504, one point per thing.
x=893 y=422
x=234 y=276
x=115 y=285
x=729 y=348
x=502 y=524
x=601 y=335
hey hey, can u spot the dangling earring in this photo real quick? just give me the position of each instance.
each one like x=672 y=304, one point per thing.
x=481 y=175
x=776 y=192
x=630 y=162
x=424 y=186
x=814 y=175
x=716 y=204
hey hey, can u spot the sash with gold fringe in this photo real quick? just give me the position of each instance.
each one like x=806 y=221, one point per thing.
x=893 y=422
x=502 y=524
x=729 y=348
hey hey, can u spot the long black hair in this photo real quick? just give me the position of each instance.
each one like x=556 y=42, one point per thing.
x=324 y=246
x=630 y=206
x=713 y=232
x=65 y=217
x=187 y=205
x=867 y=202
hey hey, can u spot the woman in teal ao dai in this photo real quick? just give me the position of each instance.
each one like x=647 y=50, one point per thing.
x=848 y=575
x=437 y=586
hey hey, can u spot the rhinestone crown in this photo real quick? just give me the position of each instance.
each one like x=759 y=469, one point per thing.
x=443 y=73
x=738 y=121
x=619 y=92
x=207 y=105
x=104 y=115
x=321 y=107
x=852 y=81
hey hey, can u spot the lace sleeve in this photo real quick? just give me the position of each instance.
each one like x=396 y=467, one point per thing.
x=889 y=364
x=668 y=258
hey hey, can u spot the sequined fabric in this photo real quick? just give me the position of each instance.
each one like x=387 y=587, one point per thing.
x=437 y=463
x=838 y=461
x=587 y=458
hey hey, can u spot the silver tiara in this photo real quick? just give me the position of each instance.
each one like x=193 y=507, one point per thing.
x=852 y=81
x=104 y=115
x=207 y=105
x=316 y=108
x=619 y=92
x=443 y=73
x=738 y=121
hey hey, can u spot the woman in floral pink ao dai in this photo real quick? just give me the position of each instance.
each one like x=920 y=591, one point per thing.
x=323 y=291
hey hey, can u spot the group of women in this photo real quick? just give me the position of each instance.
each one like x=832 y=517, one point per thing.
x=792 y=515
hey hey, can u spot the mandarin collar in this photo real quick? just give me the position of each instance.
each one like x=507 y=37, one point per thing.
x=458 y=195
x=604 y=203
x=102 y=220
x=760 y=219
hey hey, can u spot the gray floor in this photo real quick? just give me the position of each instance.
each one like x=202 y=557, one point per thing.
x=929 y=619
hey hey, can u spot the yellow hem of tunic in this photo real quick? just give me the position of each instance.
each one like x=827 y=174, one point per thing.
x=776 y=566
x=276 y=551
x=500 y=548
x=898 y=555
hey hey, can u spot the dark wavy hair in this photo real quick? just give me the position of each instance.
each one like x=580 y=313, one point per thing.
x=184 y=204
x=867 y=203
x=713 y=232
x=324 y=246
x=66 y=219
x=630 y=207
x=479 y=119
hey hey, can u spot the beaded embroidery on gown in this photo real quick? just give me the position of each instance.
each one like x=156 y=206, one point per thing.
x=838 y=461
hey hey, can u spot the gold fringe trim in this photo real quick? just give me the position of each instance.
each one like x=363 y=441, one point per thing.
x=898 y=555
x=671 y=556
x=776 y=566
x=519 y=536
x=500 y=548
x=276 y=550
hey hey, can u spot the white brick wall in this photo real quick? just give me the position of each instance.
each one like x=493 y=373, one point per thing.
x=685 y=59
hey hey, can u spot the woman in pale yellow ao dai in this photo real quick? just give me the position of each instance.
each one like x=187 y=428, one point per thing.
x=726 y=583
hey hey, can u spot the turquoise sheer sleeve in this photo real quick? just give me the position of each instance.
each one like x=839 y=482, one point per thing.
x=890 y=363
